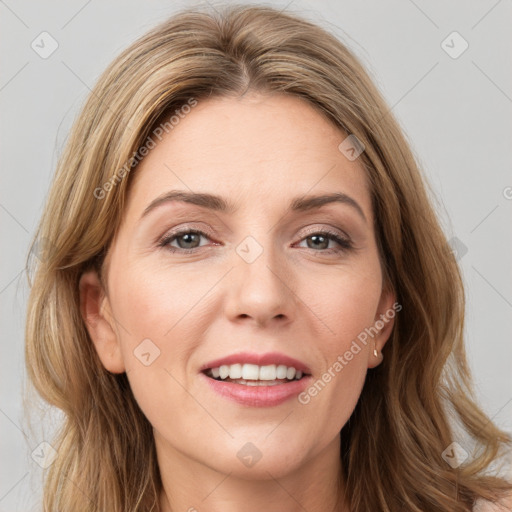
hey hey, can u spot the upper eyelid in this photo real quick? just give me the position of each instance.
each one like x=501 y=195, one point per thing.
x=207 y=232
x=338 y=231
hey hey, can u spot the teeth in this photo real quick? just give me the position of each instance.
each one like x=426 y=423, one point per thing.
x=281 y=371
x=256 y=382
x=245 y=373
x=250 y=372
x=268 y=372
x=235 y=371
x=224 y=371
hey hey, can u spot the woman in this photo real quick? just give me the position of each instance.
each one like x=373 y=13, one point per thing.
x=246 y=300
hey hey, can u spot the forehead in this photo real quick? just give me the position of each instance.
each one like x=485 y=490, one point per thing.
x=259 y=149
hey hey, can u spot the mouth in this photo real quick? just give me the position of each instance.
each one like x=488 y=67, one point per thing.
x=255 y=375
x=256 y=380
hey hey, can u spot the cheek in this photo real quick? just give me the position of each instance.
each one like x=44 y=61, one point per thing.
x=162 y=316
x=160 y=304
x=346 y=303
x=348 y=309
x=159 y=324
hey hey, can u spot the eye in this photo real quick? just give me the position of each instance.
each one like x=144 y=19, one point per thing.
x=187 y=240
x=320 y=241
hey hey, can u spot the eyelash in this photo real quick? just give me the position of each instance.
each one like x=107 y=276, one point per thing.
x=344 y=243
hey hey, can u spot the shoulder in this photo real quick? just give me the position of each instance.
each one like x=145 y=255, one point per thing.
x=505 y=505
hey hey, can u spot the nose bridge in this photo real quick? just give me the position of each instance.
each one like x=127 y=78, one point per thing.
x=261 y=283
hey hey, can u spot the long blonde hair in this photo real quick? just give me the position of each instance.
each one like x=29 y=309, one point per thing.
x=392 y=445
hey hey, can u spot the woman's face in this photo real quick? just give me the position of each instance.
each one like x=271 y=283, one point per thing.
x=260 y=283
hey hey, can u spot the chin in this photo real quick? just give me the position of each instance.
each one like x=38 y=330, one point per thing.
x=262 y=458
x=276 y=466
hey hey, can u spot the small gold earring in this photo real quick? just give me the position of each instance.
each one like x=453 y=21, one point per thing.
x=375 y=353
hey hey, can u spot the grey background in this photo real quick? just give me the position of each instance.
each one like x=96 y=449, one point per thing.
x=456 y=112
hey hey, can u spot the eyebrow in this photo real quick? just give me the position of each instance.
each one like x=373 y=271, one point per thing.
x=219 y=204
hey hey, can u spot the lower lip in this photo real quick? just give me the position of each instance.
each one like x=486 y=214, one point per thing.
x=258 y=396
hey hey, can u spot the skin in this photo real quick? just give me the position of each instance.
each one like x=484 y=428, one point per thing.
x=295 y=298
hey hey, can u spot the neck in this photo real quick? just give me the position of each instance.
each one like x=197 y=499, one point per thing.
x=191 y=486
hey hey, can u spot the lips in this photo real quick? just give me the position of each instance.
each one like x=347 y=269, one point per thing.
x=256 y=396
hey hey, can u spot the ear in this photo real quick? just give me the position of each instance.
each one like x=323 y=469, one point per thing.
x=383 y=323
x=97 y=314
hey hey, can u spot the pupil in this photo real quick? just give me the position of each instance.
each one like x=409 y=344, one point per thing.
x=188 y=237
x=317 y=237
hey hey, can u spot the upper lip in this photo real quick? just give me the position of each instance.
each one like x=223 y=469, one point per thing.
x=260 y=359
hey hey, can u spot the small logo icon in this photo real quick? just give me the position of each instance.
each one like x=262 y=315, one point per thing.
x=146 y=352
x=44 y=454
x=249 y=249
x=454 y=45
x=351 y=147
x=459 y=249
x=44 y=45
x=42 y=249
x=455 y=455
x=249 y=455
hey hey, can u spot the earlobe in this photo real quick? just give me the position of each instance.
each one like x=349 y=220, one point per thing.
x=384 y=322
x=96 y=312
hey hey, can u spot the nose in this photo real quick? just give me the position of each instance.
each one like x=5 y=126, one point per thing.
x=261 y=291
